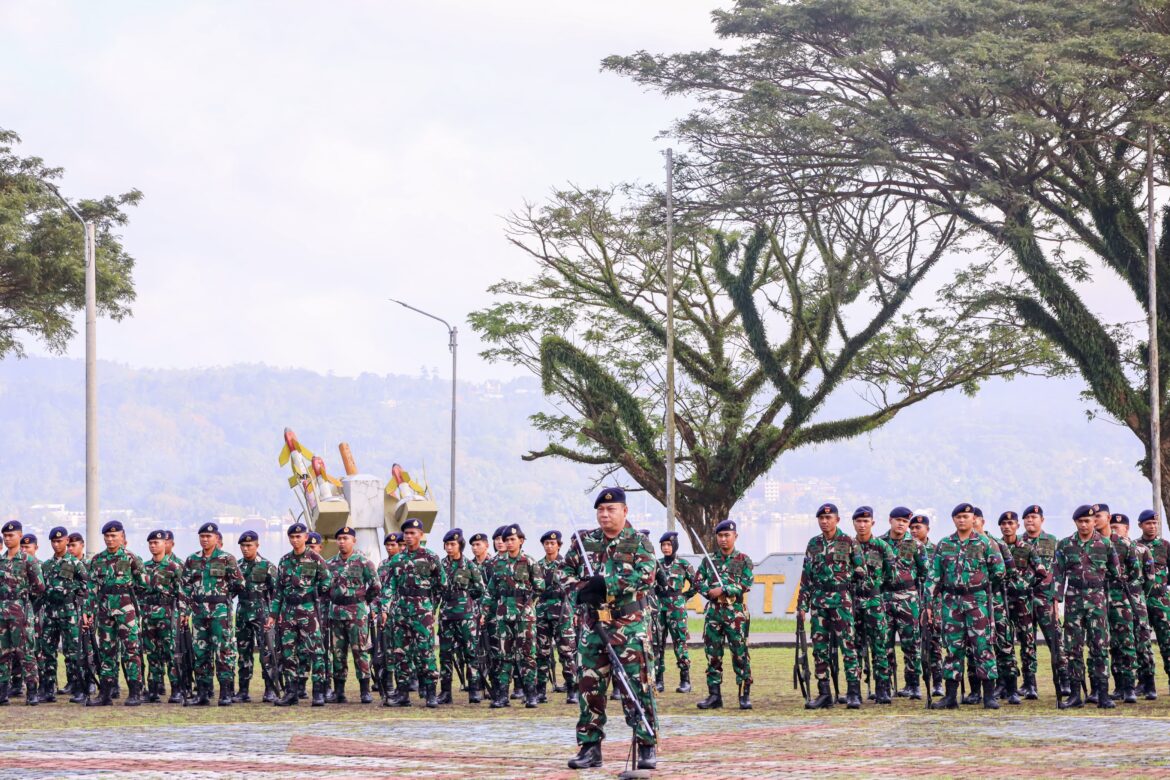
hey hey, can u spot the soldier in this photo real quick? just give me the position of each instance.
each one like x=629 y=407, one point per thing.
x=833 y=568
x=1122 y=642
x=920 y=530
x=1003 y=640
x=479 y=548
x=353 y=589
x=117 y=574
x=870 y=622
x=511 y=592
x=161 y=599
x=1157 y=601
x=965 y=569
x=21 y=581
x=1138 y=568
x=488 y=629
x=259 y=586
x=315 y=543
x=302 y=576
x=903 y=606
x=1027 y=573
x=1083 y=566
x=679 y=586
x=724 y=579
x=417 y=581
x=28 y=546
x=554 y=622
x=212 y=578
x=614 y=601
x=64 y=578
x=459 y=617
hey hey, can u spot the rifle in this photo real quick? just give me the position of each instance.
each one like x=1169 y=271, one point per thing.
x=87 y=655
x=863 y=647
x=927 y=650
x=269 y=661
x=185 y=658
x=800 y=675
x=1053 y=656
x=377 y=653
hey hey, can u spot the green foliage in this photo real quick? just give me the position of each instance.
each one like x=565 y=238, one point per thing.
x=42 y=257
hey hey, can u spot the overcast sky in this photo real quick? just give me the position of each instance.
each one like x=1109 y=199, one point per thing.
x=303 y=161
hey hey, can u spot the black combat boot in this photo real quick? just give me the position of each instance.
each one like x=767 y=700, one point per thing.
x=401 y=697
x=17 y=687
x=1092 y=697
x=647 y=757
x=4 y=695
x=517 y=690
x=853 y=695
x=542 y=694
x=152 y=692
x=225 y=693
x=289 y=698
x=102 y=700
x=1063 y=681
x=1073 y=700
x=318 y=694
x=339 y=691
x=269 y=694
x=1029 y=690
x=473 y=694
x=558 y=687
x=78 y=696
x=1103 y=700
x=745 y=696
x=1118 y=686
x=882 y=695
x=1151 y=687
x=588 y=757
x=414 y=684
x=571 y=696
x=134 y=696
x=1128 y=695
x=33 y=697
x=824 y=698
x=1011 y=694
x=912 y=690
x=364 y=689
x=67 y=689
x=990 y=701
x=500 y=697
x=177 y=696
x=242 y=696
x=530 y=698
x=301 y=694
x=330 y=695
x=49 y=692
x=937 y=690
x=116 y=692
x=659 y=682
x=950 y=701
x=428 y=695
x=684 y=681
x=973 y=696
x=445 y=691
x=714 y=700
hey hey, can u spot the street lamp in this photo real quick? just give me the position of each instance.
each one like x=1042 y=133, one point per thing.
x=452 y=345
x=92 y=523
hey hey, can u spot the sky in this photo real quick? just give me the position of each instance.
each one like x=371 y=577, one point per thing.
x=303 y=162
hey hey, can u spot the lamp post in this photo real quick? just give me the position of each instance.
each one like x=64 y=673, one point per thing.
x=453 y=346
x=92 y=521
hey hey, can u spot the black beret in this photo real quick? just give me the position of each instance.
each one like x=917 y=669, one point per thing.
x=669 y=536
x=58 y=532
x=513 y=530
x=76 y=537
x=499 y=532
x=28 y=539
x=297 y=528
x=726 y=525
x=209 y=528
x=156 y=536
x=827 y=509
x=551 y=536
x=977 y=511
x=170 y=535
x=248 y=536
x=396 y=537
x=1146 y=515
x=1006 y=516
x=388 y=538
x=454 y=535
x=644 y=531
x=315 y=538
x=863 y=511
x=961 y=509
x=346 y=531
x=11 y=525
x=112 y=526
x=479 y=537
x=901 y=511
x=1099 y=508
x=1084 y=510
x=1034 y=509
x=1118 y=519
x=610 y=495
x=920 y=520
x=411 y=522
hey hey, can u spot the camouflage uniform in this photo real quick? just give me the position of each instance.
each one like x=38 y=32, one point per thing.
x=301 y=581
x=458 y=619
x=1157 y=601
x=870 y=621
x=832 y=569
x=911 y=576
x=1082 y=571
x=672 y=614
x=353 y=589
x=1043 y=613
x=1004 y=636
x=161 y=599
x=1122 y=639
x=211 y=582
x=726 y=619
x=1028 y=570
x=1139 y=571
x=65 y=582
x=416 y=580
x=511 y=593
x=259 y=587
x=20 y=582
x=935 y=661
x=388 y=622
x=626 y=563
x=116 y=577
x=554 y=625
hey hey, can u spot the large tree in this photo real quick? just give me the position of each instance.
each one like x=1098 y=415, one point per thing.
x=1026 y=119
x=774 y=321
x=42 y=257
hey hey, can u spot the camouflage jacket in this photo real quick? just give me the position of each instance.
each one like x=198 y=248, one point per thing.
x=65 y=582
x=211 y=582
x=115 y=579
x=626 y=563
x=511 y=588
x=354 y=587
x=385 y=603
x=552 y=583
x=967 y=568
x=831 y=566
x=1127 y=557
x=464 y=589
x=1009 y=567
x=259 y=575
x=1085 y=568
x=417 y=580
x=880 y=567
x=1159 y=565
x=734 y=571
x=681 y=581
x=1028 y=569
x=163 y=592
x=301 y=581
x=21 y=580
x=911 y=565
x=1045 y=545
x=1141 y=572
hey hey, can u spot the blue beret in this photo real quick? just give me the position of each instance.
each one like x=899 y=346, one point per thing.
x=551 y=536
x=209 y=528
x=112 y=526
x=1008 y=515
x=411 y=522
x=920 y=520
x=315 y=538
x=478 y=538
x=610 y=495
x=962 y=508
x=902 y=512
x=58 y=532
x=76 y=537
x=1099 y=508
x=28 y=539
x=513 y=530
x=1147 y=514
x=499 y=532
x=669 y=536
x=297 y=528
x=1034 y=509
x=1084 y=510
x=248 y=536
x=170 y=535
x=1119 y=519
x=977 y=511
x=396 y=537
x=11 y=525
x=346 y=531
x=454 y=535
x=156 y=536
x=388 y=538
x=644 y=531
x=726 y=525
x=827 y=509
x=863 y=511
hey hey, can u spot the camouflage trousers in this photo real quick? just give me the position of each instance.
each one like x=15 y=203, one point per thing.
x=158 y=640
x=118 y=634
x=414 y=648
x=214 y=643
x=1122 y=642
x=1143 y=634
x=872 y=631
x=967 y=635
x=459 y=643
x=247 y=642
x=299 y=635
x=832 y=633
x=903 y=614
x=630 y=642
x=727 y=624
x=351 y=636
x=17 y=646
x=554 y=631
x=1158 y=606
x=672 y=616
x=1005 y=639
x=1042 y=616
x=1086 y=622
x=516 y=649
x=61 y=628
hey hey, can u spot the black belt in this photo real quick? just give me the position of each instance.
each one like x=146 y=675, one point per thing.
x=960 y=590
x=630 y=608
x=117 y=590
x=845 y=588
x=551 y=597
x=344 y=601
x=668 y=594
x=300 y=600
x=415 y=592
x=864 y=592
x=249 y=599
x=210 y=599
x=158 y=601
x=898 y=588
x=1083 y=584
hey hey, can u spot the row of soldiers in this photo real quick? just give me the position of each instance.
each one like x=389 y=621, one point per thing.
x=959 y=607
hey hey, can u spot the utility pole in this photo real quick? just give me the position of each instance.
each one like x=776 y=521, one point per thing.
x=670 y=485
x=1152 y=305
